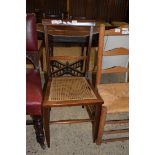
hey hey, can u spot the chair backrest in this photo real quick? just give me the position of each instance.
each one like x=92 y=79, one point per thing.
x=73 y=32
x=31 y=40
x=119 y=67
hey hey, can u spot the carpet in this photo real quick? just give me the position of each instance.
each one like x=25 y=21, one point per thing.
x=74 y=139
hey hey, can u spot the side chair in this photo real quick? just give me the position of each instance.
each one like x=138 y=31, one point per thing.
x=115 y=95
x=33 y=80
x=68 y=83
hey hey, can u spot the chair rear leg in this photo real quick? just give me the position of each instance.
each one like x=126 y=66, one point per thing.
x=82 y=54
x=101 y=125
x=96 y=121
x=38 y=126
x=46 y=116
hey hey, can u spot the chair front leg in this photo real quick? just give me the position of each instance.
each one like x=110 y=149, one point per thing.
x=96 y=121
x=38 y=126
x=101 y=125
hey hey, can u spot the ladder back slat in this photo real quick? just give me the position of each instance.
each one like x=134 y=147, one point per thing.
x=116 y=69
x=116 y=51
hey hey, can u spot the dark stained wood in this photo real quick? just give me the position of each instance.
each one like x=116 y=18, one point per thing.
x=89 y=49
x=107 y=10
x=46 y=117
x=96 y=121
x=101 y=125
x=30 y=6
x=78 y=8
x=38 y=126
x=118 y=10
x=55 y=7
x=102 y=10
x=46 y=47
x=83 y=9
x=90 y=110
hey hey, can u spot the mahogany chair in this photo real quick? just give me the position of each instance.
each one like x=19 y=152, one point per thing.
x=33 y=80
x=68 y=85
x=115 y=95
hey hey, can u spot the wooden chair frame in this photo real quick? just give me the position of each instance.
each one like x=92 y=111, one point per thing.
x=123 y=30
x=94 y=105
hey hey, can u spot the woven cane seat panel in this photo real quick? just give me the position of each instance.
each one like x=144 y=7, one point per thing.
x=70 y=88
x=115 y=96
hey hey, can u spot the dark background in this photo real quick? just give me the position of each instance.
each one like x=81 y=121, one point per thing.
x=101 y=10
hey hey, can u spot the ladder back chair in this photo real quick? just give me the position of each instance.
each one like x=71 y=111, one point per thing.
x=115 y=95
x=68 y=84
x=33 y=80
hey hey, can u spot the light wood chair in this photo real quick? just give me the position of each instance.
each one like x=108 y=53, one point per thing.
x=115 y=95
x=68 y=84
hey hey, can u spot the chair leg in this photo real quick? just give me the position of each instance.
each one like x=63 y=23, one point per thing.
x=41 y=57
x=101 y=125
x=82 y=54
x=96 y=121
x=46 y=116
x=38 y=126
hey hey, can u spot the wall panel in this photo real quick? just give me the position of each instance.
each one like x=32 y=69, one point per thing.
x=107 y=10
